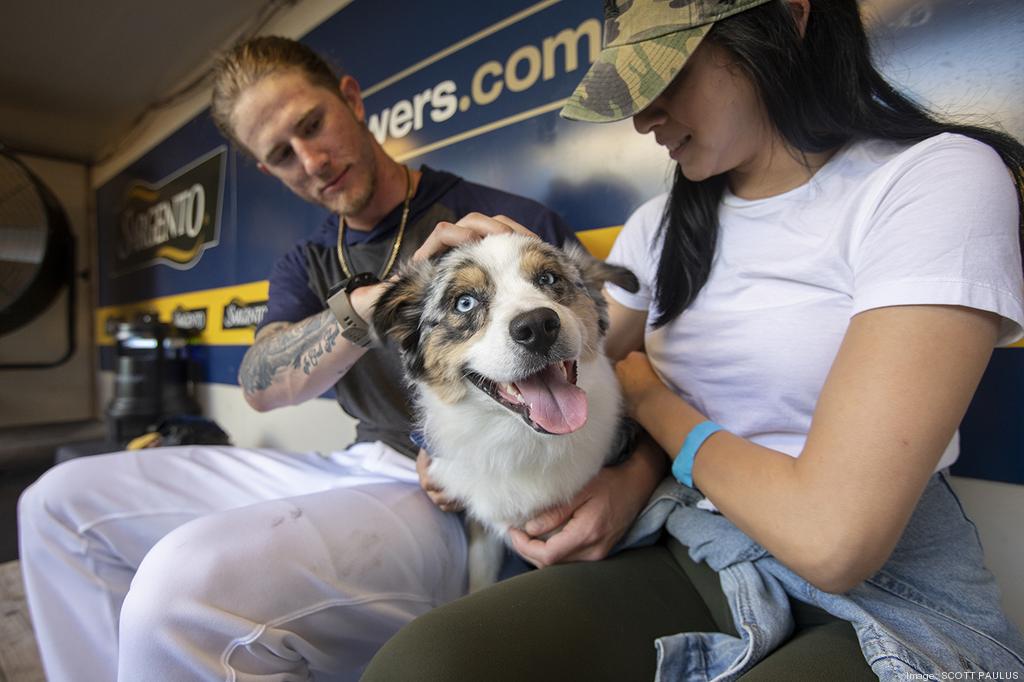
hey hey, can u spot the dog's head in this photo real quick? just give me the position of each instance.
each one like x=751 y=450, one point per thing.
x=509 y=315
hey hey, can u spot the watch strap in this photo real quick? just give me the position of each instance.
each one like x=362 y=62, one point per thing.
x=353 y=327
x=361 y=279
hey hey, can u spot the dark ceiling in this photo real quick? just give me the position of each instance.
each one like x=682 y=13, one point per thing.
x=75 y=76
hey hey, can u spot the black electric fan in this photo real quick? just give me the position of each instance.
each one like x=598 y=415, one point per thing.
x=37 y=254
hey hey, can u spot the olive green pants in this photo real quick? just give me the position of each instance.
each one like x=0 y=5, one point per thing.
x=598 y=621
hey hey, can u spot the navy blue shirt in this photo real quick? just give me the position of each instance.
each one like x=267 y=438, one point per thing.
x=374 y=391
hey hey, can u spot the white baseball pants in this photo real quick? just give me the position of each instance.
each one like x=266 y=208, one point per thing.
x=218 y=563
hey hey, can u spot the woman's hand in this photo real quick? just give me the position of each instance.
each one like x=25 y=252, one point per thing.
x=588 y=526
x=434 y=491
x=471 y=228
x=638 y=381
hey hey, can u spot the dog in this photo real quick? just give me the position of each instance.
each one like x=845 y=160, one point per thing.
x=502 y=341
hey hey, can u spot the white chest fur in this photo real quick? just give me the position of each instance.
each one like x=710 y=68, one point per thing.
x=504 y=470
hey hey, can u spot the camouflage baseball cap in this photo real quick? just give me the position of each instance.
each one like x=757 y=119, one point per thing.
x=646 y=43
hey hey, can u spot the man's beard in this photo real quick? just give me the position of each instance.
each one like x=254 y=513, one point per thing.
x=354 y=204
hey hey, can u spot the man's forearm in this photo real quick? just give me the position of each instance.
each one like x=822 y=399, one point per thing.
x=296 y=362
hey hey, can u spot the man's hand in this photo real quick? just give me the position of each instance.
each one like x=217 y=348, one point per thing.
x=471 y=228
x=589 y=525
x=364 y=299
x=434 y=491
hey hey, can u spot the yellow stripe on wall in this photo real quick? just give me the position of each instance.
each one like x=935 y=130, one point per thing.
x=597 y=241
x=214 y=300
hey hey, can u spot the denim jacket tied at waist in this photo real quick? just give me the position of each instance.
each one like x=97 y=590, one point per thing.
x=932 y=609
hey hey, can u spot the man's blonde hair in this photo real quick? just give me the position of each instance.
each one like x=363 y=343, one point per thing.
x=249 y=62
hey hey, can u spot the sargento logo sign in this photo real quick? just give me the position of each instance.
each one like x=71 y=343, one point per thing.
x=521 y=69
x=173 y=221
x=238 y=314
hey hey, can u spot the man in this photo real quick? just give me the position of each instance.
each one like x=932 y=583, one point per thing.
x=245 y=563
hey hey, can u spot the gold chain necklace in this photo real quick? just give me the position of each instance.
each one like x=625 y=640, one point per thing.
x=395 y=245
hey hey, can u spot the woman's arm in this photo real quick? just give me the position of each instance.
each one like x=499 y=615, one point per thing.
x=293 y=362
x=625 y=329
x=894 y=396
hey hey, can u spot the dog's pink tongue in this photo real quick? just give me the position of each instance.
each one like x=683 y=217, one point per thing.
x=556 y=405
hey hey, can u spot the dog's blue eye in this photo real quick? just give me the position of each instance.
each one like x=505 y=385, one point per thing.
x=465 y=303
x=545 y=279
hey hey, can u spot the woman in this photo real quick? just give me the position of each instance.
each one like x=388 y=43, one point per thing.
x=821 y=292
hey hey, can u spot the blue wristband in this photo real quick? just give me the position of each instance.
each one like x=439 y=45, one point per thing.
x=682 y=468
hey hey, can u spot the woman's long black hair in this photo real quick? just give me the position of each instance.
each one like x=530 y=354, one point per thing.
x=820 y=92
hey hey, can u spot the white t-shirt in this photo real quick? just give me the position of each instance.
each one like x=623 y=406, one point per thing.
x=880 y=224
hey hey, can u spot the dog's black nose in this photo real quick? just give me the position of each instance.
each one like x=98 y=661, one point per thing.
x=536 y=330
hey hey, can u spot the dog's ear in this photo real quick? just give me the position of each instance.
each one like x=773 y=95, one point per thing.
x=596 y=272
x=398 y=310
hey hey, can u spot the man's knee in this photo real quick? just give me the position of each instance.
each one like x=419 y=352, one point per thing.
x=220 y=562
x=188 y=570
x=59 y=495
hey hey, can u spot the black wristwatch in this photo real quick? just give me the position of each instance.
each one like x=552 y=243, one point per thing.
x=353 y=327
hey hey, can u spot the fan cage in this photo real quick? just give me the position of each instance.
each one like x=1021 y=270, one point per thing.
x=36 y=247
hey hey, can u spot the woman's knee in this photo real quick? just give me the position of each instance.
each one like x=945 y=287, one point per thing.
x=423 y=650
x=542 y=625
x=504 y=635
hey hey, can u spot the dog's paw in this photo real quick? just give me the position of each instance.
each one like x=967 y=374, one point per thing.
x=486 y=553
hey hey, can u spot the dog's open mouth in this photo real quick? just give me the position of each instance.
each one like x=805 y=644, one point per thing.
x=548 y=400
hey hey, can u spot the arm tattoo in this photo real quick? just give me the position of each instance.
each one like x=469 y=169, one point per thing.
x=300 y=346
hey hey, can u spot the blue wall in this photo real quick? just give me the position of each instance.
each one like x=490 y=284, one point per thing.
x=957 y=57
